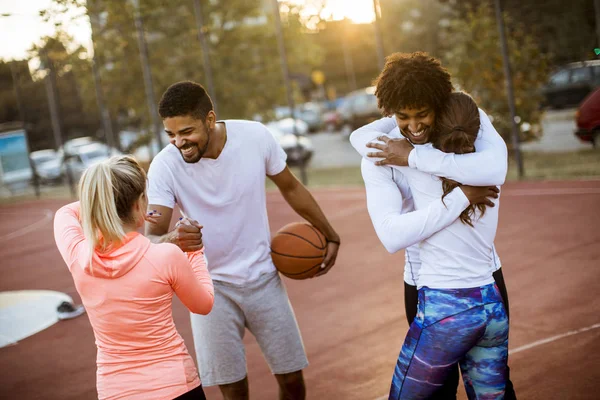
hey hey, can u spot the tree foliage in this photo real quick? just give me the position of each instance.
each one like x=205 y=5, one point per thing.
x=245 y=58
x=565 y=31
x=242 y=49
x=474 y=58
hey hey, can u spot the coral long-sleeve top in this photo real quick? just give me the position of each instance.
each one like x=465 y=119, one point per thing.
x=127 y=293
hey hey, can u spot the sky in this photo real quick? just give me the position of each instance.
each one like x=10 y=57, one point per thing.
x=359 y=11
x=24 y=27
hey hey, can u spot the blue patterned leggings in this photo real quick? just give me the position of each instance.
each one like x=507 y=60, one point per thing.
x=468 y=326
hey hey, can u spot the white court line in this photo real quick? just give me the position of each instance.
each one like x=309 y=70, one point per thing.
x=549 y=192
x=19 y=232
x=539 y=343
x=553 y=339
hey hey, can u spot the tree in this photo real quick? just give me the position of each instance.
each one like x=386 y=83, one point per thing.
x=566 y=31
x=79 y=115
x=243 y=53
x=359 y=41
x=414 y=25
x=474 y=58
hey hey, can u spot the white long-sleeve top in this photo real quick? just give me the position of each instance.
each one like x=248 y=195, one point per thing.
x=486 y=167
x=406 y=209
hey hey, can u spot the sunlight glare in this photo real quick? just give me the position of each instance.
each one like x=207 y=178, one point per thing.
x=358 y=11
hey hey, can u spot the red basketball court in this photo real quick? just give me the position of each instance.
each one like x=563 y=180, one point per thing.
x=352 y=319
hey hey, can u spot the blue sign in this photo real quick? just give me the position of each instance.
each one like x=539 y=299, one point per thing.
x=14 y=157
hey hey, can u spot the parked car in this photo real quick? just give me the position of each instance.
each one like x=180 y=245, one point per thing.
x=70 y=147
x=571 y=84
x=298 y=148
x=587 y=118
x=332 y=119
x=359 y=108
x=87 y=156
x=310 y=113
x=48 y=165
x=286 y=125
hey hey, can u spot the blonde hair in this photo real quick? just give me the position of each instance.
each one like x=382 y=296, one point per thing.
x=107 y=193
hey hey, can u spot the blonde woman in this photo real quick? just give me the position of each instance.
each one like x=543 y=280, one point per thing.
x=127 y=283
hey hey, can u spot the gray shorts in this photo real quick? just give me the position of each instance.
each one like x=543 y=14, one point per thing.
x=264 y=308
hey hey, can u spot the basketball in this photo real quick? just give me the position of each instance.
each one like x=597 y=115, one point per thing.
x=298 y=250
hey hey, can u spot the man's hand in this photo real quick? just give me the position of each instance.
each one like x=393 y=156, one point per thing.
x=152 y=217
x=393 y=151
x=330 y=256
x=481 y=194
x=187 y=235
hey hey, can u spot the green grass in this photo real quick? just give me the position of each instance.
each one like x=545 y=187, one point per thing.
x=538 y=166
x=328 y=177
x=47 y=192
x=548 y=166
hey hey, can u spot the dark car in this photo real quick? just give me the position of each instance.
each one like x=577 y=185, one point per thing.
x=588 y=119
x=298 y=147
x=359 y=108
x=571 y=84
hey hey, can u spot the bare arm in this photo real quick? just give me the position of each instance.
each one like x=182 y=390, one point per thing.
x=187 y=236
x=301 y=201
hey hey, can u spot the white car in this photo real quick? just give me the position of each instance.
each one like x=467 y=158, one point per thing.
x=88 y=155
x=297 y=147
x=286 y=125
x=48 y=165
x=71 y=147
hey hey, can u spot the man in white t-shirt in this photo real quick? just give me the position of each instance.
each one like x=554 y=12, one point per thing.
x=215 y=172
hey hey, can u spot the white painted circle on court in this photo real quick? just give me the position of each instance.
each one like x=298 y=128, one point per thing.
x=26 y=312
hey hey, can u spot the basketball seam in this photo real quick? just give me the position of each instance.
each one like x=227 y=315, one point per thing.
x=318 y=233
x=293 y=256
x=303 y=272
x=300 y=237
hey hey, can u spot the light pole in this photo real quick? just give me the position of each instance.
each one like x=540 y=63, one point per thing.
x=104 y=112
x=22 y=116
x=288 y=86
x=509 y=89
x=597 y=7
x=378 y=38
x=205 y=53
x=53 y=104
x=148 y=84
x=348 y=59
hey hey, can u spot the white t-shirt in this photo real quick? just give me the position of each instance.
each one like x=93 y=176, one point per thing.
x=227 y=196
x=452 y=254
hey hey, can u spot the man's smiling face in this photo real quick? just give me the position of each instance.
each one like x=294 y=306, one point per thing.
x=416 y=124
x=189 y=135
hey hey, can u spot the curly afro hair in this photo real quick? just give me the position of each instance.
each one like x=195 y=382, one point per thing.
x=412 y=80
x=185 y=98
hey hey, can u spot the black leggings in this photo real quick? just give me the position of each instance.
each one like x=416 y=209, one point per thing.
x=194 y=394
x=448 y=391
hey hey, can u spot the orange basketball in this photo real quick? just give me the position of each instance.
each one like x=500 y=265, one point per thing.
x=298 y=250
